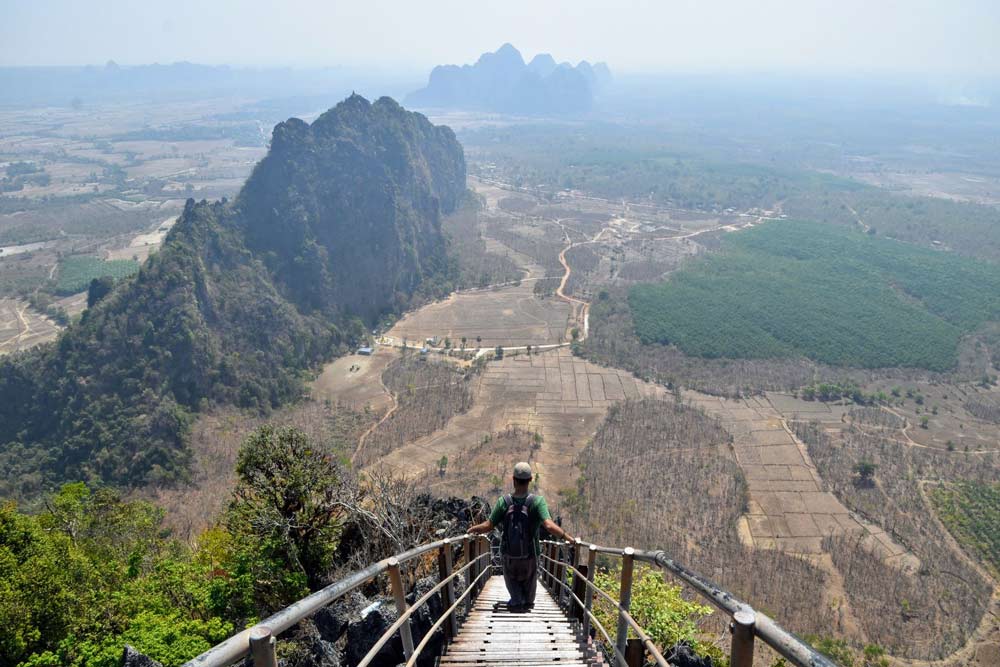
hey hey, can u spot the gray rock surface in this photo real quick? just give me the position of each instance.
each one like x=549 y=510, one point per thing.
x=132 y=658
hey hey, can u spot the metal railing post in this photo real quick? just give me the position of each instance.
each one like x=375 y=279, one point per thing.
x=262 y=647
x=396 y=583
x=448 y=593
x=469 y=574
x=579 y=587
x=741 y=649
x=588 y=598
x=553 y=554
x=635 y=653
x=625 y=600
x=560 y=574
x=484 y=548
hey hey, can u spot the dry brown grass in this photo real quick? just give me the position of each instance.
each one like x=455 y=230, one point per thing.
x=216 y=439
x=660 y=475
x=928 y=614
x=428 y=394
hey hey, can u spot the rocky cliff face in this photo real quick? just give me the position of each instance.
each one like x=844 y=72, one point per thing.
x=346 y=212
x=501 y=81
x=339 y=224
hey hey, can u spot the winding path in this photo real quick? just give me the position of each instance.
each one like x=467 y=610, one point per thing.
x=371 y=429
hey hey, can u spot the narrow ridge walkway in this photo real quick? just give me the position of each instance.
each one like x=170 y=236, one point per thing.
x=491 y=635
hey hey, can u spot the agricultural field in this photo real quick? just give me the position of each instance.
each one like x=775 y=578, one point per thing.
x=75 y=273
x=928 y=612
x=79 y=185
x=787 y=289
x=971 y=511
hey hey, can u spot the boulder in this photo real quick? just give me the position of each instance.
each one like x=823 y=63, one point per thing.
x=331 y=622
x=132 y=658
x=366 y=628
x=682 y=655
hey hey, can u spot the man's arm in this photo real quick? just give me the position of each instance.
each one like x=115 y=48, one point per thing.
x=496 y=515
x=482 y=528
x=554 y=529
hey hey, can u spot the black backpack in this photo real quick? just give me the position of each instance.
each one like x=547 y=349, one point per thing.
x=518 y=540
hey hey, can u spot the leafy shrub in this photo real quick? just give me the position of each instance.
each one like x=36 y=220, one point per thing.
x=660 y=610
x=94 y=572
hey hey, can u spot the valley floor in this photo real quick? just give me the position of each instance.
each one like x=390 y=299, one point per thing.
x=545 y=406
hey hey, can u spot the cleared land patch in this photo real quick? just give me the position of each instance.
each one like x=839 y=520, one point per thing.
x=787 y=289
x=21 y=327
x=353 y=380
x=787 y=508
x=511 y=316
x=560 y=397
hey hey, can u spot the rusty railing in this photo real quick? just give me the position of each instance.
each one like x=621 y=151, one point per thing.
x=559 y=559
x=258 y=641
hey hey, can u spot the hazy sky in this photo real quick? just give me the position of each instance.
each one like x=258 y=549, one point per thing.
x=932 y=36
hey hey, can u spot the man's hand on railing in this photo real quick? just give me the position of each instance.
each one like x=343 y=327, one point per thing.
x=482 y=528
x=554 y=528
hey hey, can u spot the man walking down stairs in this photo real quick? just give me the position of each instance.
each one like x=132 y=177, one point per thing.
x=520 y=515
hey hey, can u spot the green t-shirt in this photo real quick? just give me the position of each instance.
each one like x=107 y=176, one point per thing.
x=538 y=513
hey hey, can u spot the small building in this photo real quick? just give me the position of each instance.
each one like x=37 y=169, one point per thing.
x=365 y=351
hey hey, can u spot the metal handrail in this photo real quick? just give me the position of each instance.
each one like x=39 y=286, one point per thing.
x=404 y=617
x=747 y=622
x=437 y=624
x=647 y=642
x=239 y=645
x=590 y=614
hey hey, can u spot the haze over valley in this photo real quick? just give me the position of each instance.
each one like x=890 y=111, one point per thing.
x=263 y=324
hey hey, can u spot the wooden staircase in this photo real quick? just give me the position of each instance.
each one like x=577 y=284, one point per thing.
x=492 y=635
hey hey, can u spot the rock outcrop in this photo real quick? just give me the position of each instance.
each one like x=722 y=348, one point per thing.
x=338 y=225
x=132 y=658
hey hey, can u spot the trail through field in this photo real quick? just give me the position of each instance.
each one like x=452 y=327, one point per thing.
x=908 y=441
x=21 y=327
x=864 y=225
x=371 y=429
x=25 y=327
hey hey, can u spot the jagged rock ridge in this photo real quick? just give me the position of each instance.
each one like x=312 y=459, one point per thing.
x=337 y=225
x=503 y=82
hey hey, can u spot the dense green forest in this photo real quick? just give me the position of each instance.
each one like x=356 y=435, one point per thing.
x=971 y=511
x=829 y=293
x=93 y=571
x=338 y=226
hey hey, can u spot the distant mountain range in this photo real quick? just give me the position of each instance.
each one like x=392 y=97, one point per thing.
x=503 y=82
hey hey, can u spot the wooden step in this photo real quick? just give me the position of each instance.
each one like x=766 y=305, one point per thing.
x=493 y=635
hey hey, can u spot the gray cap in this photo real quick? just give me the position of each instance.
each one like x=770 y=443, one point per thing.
x=522 y=470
